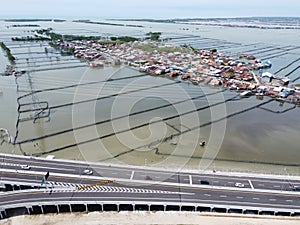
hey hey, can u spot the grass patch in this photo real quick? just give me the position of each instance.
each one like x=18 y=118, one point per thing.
x=152 y=47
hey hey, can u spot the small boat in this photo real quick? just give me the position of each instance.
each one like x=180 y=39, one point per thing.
x=202 y=143
x=173 y=143
x=246 y=94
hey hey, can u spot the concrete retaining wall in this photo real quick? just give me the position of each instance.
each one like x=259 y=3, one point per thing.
x=64 y=207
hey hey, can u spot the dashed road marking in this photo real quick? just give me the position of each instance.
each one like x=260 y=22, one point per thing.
x=132 y=174
x=251 y=185
x=191 y=180
x=69 y=187
x=223 y=196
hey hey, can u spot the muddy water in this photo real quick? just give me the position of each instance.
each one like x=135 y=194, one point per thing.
x=97 y=126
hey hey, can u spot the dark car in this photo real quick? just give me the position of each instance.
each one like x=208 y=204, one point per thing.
x=204 y=182
x=296 y=188
x=148 y=178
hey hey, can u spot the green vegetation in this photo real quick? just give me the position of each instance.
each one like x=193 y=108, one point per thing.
x=297 y=85
x=118 y=40
x=10 y=57
x=123 y=39
x=25 y=25
x=63 y=52
x=55 y=36
x=30 y=38
x=153 y=36
x=152 y=47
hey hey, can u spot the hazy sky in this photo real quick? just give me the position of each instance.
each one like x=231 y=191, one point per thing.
x=147 y=9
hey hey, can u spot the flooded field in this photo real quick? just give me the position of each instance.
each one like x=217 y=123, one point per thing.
x=119 y=115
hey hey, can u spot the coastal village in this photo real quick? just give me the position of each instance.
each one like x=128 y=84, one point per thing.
x=244 y=74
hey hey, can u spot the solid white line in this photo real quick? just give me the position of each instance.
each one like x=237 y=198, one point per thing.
x=191 y=180
x=132 y=174
x=251 y=185
x=159 y=170
x=34 y=166
x=87 y=177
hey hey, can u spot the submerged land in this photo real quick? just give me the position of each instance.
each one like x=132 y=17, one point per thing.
x=153 y=56
x=48 y=64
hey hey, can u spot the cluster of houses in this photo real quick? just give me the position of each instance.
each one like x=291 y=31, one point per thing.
x=197 y=66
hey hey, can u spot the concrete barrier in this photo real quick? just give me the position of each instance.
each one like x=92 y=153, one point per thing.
x=70 y=207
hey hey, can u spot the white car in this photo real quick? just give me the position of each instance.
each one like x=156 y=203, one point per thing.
x=87 y=172
x=25 y=167
x=240 y=185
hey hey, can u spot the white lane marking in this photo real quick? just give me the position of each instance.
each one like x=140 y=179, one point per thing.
x=33 y=166
x=20 y=179
x=256 y=198
x=208 y=195
x=191 y=180
x=223 y=196
x=251 y=185
x=132 y=174
x=261 y=185
x=277 y=186
x=70 y=187
x=239 y=197
x=289 y=200
x=272 y=199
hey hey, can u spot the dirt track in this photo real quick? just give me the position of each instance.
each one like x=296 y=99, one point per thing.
x=148 y=218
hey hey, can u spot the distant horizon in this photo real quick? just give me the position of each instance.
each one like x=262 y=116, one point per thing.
x=156 y=9
x=146 y=18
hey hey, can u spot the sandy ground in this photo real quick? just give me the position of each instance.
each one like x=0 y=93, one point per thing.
x=148 y=218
